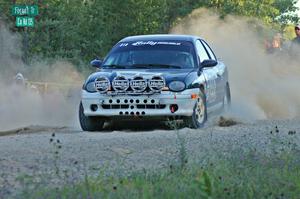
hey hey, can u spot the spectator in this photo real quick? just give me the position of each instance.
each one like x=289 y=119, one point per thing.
x=19 y=79
x=296 y=40
x=275 y=45
x=277 y=40
x=295 y=45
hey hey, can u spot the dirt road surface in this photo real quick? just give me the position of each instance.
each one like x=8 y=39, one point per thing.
x=54 y=153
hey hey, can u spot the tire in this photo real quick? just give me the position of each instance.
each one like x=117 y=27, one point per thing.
x=227 y=98
x=89 y=123
x=199 y=116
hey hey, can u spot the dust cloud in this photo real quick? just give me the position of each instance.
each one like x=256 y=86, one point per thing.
x=262 y=85
x=34 y=102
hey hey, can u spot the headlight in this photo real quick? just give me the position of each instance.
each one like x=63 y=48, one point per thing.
x=90 y=87
x=177 y=86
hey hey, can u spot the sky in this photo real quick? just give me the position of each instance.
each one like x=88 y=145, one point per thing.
x=298 y=4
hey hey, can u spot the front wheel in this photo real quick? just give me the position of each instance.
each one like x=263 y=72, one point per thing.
x=199 y=116
x=89 y=123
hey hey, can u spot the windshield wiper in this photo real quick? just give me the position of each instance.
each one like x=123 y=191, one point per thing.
x=155 y=66
x=113 y=66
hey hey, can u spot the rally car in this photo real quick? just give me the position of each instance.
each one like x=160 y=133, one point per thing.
x=155 y=77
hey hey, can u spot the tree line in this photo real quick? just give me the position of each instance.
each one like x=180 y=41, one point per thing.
x=80 y=30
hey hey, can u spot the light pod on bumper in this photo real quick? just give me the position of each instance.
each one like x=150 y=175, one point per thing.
x=138 y=84
x=120 y=83
x=156 y=83
x=102 y=84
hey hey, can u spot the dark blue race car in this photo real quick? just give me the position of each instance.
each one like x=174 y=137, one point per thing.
x=155 y=77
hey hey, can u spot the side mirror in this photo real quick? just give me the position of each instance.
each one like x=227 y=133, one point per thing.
x=96 y=63
x=209 y=63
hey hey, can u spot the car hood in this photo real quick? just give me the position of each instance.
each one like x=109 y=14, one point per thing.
x=168 y=74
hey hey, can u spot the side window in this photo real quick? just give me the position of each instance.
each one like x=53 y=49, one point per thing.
x=210 y=52
x=201 y=51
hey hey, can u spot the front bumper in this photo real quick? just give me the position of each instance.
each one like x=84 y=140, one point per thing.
x=159 y=104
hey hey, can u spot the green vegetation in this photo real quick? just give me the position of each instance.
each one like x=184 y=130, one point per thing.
x=80 y=30
x=250 y=177
x=241 y=173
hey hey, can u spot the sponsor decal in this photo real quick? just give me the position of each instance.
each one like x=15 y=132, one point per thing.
x=153 y=43
x=123 y=44
x=102 y=84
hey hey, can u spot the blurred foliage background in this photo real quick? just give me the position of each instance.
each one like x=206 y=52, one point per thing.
x=80 y=30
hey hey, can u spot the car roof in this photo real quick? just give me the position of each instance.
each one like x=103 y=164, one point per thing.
x=161 y=37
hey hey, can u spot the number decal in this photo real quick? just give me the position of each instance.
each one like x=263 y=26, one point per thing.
x=211 y=90
x=211 y=87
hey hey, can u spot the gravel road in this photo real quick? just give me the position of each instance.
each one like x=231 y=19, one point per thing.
x=36 y=151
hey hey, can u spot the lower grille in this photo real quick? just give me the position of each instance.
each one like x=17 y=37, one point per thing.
x=115 y=106
x=139 y=106
x=129 y=103
x=151 y=106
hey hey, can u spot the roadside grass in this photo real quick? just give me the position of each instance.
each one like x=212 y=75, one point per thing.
x=246 y=173
x=263 y=179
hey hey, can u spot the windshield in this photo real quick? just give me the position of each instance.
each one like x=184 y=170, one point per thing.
x=152 y=54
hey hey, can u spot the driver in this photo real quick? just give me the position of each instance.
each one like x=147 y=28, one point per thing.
x=182 y=60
